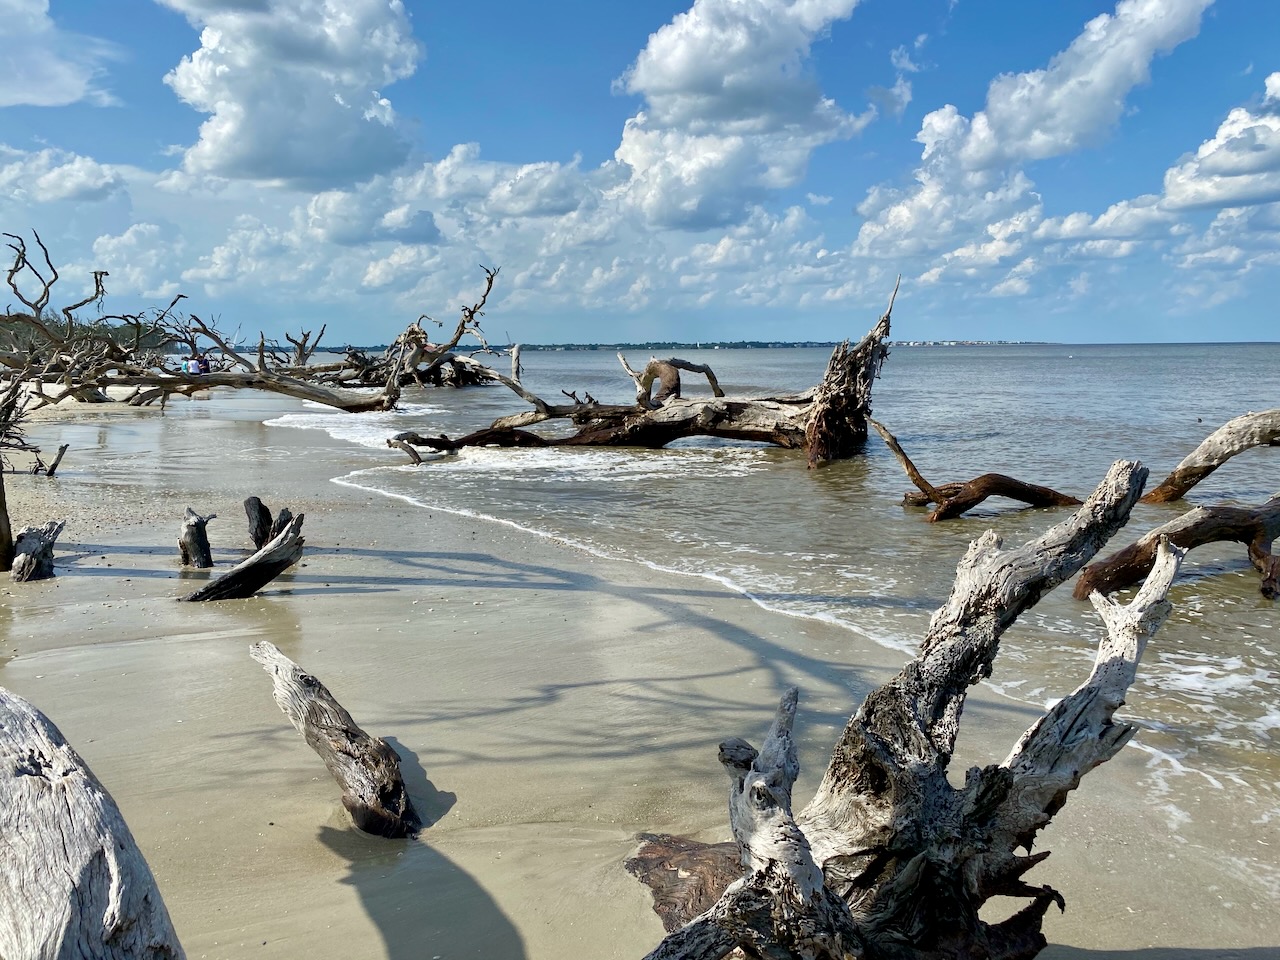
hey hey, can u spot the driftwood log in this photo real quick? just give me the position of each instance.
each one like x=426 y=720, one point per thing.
x=33 y=552
x=1232 y=438
x=828 y=421
x=1256 y=527
x=251 y=575
x=666 y=373
x=193 y=541
x=366 y=768
x=72 y=880
x=953 y=499
x=913 y=858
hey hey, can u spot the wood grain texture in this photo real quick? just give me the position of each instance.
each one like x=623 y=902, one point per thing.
x=73 y=883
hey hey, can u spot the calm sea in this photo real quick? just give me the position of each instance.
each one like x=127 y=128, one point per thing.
x=836 y=543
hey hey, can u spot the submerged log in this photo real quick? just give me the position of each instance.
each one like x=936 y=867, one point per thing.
x=72 y=880
x=251 y=575
x=1256 y=527
x=954 y=499
x=912 y=857
x=33 y=552
x=193 y=541
x=366 y=768
x=1232 y=438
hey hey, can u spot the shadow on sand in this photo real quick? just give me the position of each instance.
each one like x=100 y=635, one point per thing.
x=422 y=903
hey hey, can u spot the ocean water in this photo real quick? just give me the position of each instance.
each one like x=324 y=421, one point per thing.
x=837 y=544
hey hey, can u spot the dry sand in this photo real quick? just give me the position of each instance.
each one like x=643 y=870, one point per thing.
x=548 y=704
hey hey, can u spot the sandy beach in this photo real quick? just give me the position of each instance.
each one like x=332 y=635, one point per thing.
x=548 y=705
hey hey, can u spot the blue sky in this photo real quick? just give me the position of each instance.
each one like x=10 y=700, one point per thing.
x=731 y=169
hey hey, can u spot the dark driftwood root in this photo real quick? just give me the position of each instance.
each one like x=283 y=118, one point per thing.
x=248 y=577
x=33 y=552
x=909 y=859
x=953 y=499
x=1256 y=527
x=262 y=529
x=685 y=876
x=193 y=541
x=72 y=880
x=366 y=768
x=1232 y=438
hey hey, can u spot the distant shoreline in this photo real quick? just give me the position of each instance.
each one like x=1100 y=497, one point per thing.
x=726 y=345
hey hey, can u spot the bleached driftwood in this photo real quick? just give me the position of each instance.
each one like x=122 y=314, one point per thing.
x=193 y=541
x=914 y=858
x=1256 y=527
x=251 y=575
x=953 y=499
x=1232 y=438
x=366 y=768
x=72 y=880
x=33 y=552
x=666 y=373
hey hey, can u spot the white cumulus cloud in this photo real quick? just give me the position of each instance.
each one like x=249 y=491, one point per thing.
x=293 y=88
x=731 y=108
x=1239 y=165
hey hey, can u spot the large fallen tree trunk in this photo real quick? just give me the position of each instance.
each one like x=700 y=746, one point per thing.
x=1256 y=527
x=913 y=858
x=828 y=422
x=72 y=880
x=366 y=768
x=1232 y=438
x=954 y=499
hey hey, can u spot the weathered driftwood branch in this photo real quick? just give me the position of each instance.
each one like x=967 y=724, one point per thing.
x=953 y=499
x=72 y=880
x=1232 y=438
x=366 y=768
x=193 y=541
x=667 y=375
x=33 y=552
x=1256 y=527
x=914 y=858
x=251 y=575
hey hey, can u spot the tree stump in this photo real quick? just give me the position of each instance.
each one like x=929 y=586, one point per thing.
x=251 y=575
x=193 y=541
x=262 y=528
x=72 y=880
x=366 y=768
x=33 y=552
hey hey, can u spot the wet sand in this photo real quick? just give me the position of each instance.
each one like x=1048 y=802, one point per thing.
x=548 y=705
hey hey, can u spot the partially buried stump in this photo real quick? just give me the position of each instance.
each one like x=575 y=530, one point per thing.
x=193 y=542
x=366 y=768
x=72 y=880
x=247 y=578
x=33 y=552
x=262 y=529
